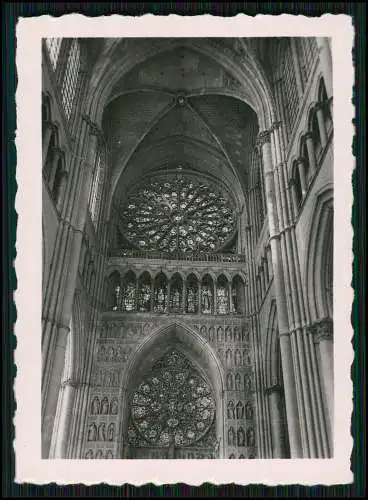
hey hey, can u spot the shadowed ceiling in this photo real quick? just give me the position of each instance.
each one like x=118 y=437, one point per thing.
x=172 y=109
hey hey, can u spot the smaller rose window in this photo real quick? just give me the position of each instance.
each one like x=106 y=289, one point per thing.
x=174 y=404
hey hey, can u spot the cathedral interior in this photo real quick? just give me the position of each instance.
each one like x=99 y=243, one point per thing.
x=187 y=247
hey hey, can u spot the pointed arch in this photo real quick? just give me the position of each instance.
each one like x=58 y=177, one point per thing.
x=194 y=347
x=319 y=258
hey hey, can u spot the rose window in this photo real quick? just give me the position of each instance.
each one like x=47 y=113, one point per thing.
x=173 y=405
x=178 y=214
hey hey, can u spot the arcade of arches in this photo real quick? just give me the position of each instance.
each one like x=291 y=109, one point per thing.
x=187 y=248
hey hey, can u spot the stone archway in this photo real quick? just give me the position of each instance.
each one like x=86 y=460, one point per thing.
x=172 y=398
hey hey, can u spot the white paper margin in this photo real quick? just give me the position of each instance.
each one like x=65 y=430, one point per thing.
x=30 y=467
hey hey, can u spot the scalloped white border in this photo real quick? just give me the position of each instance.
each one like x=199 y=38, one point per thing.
x=30 y=467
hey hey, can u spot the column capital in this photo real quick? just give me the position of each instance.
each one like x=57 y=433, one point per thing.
x=322 y=330
x=263 y=137
x=76 y=384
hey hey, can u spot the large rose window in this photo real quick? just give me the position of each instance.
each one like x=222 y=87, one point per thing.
x=173 y=406
x=177 y=214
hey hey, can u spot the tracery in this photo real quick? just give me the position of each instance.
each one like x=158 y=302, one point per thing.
x=177 y=214
x=172 y=406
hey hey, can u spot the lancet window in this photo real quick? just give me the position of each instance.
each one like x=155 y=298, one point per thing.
x=144 y=293
x=69 y=86
x=129 y=293
x=207 y=295
x=160 y=294
x=222 y=299
x=53 y=47
x=192 y=295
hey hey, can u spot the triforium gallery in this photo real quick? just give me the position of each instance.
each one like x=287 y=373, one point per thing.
x=187 y=248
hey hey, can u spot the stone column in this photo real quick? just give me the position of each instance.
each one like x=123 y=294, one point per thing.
x=62 y=187
x=302 y=176
x=321 y=123
x=295 y=198
x=283 y=322
x=199 y=297
x=214 y=297
x=61 y=434
x=277 y=421
x=311 y=153
x=322 y=332
x=58 y=310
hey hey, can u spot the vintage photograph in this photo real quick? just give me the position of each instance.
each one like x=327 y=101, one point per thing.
x=187 y=248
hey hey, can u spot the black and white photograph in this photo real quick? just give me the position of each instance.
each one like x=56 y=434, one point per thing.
x=187 y=203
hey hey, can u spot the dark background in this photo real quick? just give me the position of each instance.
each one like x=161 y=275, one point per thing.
x=11 y=13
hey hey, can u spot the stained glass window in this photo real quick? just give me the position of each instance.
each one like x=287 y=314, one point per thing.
x=173 y=405
x=53 y=46
x=177 y=214
x=69 y=86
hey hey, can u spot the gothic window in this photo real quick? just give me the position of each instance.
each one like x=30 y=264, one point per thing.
x=160 y=297
x=240 y=437
x=176 y=294
x=69 y=86
x=177 y=214
x=239 y=410
x=222 y=299
x=307 y=50
x=113 y=292
x=144 y=293
x=237 y=382
x=228 y=335
x=316 y=136
x=173 y=405
x=290 y=95
x=229 y=357
x=297 y=187
x=192 y=295
x=129 y=293
x=231 y=436
x=230 y=410
x=324 y=100
x=238 y=295
x=207 y=295
x=53 y=47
